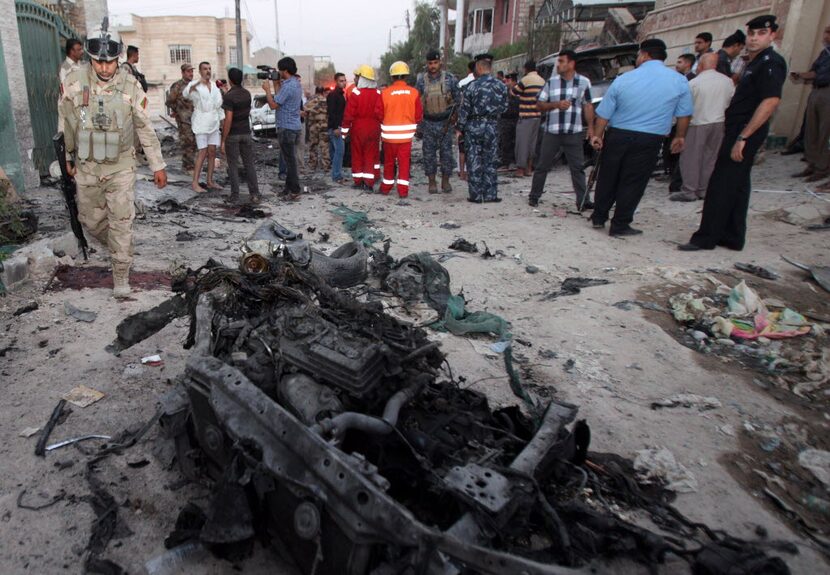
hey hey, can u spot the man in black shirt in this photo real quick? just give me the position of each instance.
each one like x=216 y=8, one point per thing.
x=746 y=126
x=507 y=125
x=236 y=136
x=336 y=107
x=732 y=48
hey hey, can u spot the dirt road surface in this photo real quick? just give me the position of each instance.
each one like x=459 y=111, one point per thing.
x=613 y=361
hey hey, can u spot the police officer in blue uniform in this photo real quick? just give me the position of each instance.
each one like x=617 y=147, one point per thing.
x=757 y=95
x=485 y=100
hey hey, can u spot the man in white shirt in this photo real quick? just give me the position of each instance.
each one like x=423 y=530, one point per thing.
x=74 y=52
x=207 y=116
x=711 y=94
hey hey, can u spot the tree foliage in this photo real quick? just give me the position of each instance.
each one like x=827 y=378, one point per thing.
x=422 y=38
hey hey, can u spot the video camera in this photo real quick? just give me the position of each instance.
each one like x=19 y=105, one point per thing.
x=269 y=73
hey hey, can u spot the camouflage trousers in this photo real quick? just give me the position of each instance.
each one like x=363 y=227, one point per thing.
x=438 y=141
x=106 y=208
x=318 y=148
x=187 y=144
x=481 y=140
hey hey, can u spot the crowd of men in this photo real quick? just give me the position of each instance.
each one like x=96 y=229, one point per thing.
x=710 y=114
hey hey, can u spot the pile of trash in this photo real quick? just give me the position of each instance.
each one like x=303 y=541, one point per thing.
x=737 y=321
x=332 y=429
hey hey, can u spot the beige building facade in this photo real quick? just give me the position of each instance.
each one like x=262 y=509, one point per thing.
x=166 y=42
x=802 y=22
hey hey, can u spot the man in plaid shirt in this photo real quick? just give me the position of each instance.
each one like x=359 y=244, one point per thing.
x=566 y=98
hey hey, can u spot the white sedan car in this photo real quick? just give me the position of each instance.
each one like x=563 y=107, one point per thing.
x=263 y=119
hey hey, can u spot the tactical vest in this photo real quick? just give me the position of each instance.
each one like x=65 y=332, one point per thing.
x=105 y=123
x=436 y=100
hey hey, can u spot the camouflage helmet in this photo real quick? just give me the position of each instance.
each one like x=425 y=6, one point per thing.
x=103 y=45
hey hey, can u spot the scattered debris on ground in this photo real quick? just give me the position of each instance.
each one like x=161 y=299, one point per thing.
x=462 y=245
x=303 y=402
x=573 y=286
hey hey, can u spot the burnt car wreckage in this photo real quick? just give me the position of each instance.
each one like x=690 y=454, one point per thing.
x=332 y=430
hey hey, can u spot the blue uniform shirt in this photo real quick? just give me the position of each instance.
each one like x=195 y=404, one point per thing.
x=647 y=99
x=485 y=99
x=290 y=99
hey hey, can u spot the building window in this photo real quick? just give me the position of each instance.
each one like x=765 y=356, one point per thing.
x=179 y=54
x=505 y=12
x=232 y=58
x=481 y=21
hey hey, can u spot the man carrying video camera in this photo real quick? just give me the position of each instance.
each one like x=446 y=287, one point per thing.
x=285 y=95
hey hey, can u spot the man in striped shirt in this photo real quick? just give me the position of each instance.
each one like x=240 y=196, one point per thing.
x=567 y=99
x=527 y=90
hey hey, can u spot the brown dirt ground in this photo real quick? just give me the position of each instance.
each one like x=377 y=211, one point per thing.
x=620 y=361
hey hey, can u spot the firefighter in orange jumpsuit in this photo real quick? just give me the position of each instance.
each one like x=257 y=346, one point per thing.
x=361 y=121
x=402 y=111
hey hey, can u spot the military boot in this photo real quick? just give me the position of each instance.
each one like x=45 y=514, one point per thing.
x=446 y=187
x=432 y=186
x=120 y=280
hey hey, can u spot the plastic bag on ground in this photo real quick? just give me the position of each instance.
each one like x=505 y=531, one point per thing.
x=660 y=464
x=744 y=301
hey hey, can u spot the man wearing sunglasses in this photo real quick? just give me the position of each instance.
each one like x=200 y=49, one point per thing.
x=103 y=107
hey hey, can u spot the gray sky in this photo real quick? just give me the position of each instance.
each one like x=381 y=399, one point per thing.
x=351 y=32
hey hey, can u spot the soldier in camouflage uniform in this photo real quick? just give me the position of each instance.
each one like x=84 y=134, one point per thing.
x=182 y=109
x=102 y=107
x=485 y=99
x=318 y=125
x=439 y=97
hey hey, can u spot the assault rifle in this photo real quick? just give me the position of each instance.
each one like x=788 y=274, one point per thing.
x=592 y=179
x=449 y=121
x=70 y=191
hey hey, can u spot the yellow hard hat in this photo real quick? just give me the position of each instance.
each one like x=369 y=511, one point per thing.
x=399 y=69
x=366 y=71
x=356 y=71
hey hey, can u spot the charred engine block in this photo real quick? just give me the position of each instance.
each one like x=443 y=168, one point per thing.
x=326 y=420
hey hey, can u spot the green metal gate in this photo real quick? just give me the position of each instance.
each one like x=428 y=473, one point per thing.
x=40 y=40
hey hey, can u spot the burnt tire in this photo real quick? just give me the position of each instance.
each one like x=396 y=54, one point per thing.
x=345 y=267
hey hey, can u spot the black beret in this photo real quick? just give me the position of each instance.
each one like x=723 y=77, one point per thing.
x=652 y=43
x=765 y=21
x=484 y=56
x=433 y=55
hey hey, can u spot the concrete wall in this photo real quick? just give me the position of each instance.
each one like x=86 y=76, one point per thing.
x=801 y=22
x=16 y=78
x=210 y=39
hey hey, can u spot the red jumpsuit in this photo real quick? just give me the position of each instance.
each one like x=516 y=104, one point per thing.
x=361 y=120
x=402 y=111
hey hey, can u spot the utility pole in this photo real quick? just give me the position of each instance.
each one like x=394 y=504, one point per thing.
x=408 y=26
x=277 y=28
x=239 y=50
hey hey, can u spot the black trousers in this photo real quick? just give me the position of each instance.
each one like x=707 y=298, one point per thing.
x=553 y=146
x=507 y=141
x=727 y=197
x=240 y=145
x=628 y=160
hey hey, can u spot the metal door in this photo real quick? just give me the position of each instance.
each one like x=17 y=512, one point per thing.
x=40 y=41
